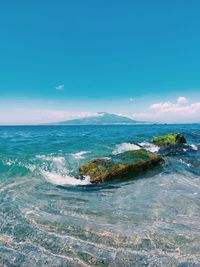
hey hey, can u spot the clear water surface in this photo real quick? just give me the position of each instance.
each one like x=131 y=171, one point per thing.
x=49 y=218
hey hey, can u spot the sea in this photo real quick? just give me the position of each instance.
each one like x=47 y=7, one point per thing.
x=51 y=217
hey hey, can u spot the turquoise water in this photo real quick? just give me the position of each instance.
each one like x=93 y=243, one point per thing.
x=49 y=218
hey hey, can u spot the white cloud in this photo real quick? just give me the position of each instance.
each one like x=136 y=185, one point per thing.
x=60 y=87
x=182 y=100
x=162 y=106
x=181 y=106
x=180 y=111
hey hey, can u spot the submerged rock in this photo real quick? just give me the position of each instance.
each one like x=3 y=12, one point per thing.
x=124 y=165
x=169 y=140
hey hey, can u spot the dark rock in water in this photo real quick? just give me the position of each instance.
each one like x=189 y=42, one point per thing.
x=179 y=149
x=169 y=140
x=125 y=165
x=172 y=150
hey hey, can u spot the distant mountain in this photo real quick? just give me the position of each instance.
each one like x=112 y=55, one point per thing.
x=101 y=119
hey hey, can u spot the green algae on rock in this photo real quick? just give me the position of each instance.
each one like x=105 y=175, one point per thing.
x=124 y=165
x=169 y=139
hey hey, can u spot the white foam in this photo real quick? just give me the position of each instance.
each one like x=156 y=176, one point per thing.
x=150 y=147
x=80 y=155
x=55 y=159
x=9 y=162
x=43 y=157
x=194 y=147
x=58 y=179
x=124 y=147
x=106 y=158
x=128 y=146
x=187 y=164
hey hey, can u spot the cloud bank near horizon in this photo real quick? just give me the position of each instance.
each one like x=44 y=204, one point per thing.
x=24 y=116
x=175 y=112
x=182 y=110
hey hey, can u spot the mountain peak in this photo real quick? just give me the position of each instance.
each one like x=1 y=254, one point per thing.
x=102 y=118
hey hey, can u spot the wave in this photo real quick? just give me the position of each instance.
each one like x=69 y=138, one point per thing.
x=194 y=147
x=129 y=146
x=55 y=159
x=55 y=169
x=58 y=179
x=150 y=147
x=124 y=147
x=80 y=155
x=185 y=163
x=145 y=145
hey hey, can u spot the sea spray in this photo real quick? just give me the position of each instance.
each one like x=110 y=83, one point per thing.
x=57 y=179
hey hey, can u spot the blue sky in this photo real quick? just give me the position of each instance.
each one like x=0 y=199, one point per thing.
x=63 y=59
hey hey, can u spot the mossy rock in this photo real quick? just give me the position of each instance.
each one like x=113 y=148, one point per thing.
x=125 y=165
x=169 y=140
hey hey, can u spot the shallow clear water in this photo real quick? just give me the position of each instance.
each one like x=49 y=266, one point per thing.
x=49 y=218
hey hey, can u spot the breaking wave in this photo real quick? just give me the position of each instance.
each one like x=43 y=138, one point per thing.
x=124 y=147
x=80 y=155
x=58 y=179
x=129 y=146
x=150 y=147
x=56 y=170
x=194 y=147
